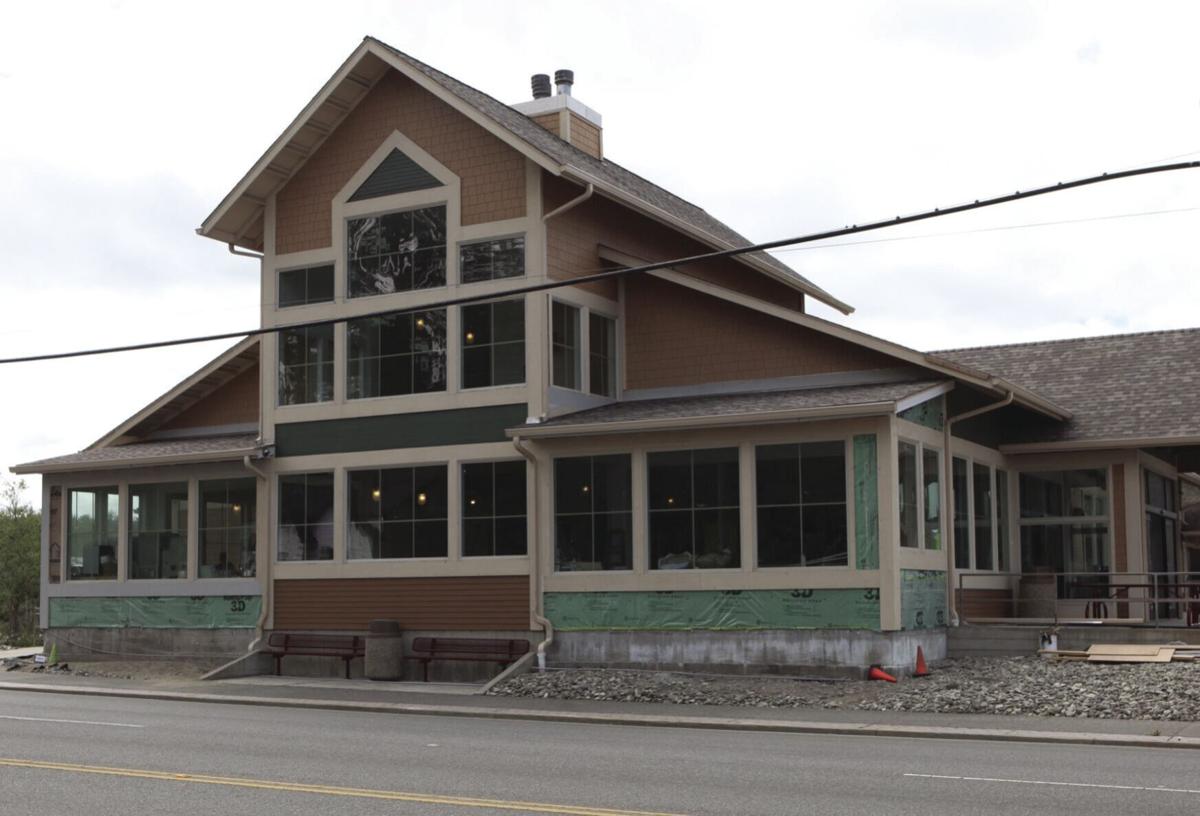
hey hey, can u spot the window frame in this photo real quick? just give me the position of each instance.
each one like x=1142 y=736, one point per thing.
x=581 y=304
x=995 y=467
x=277 y=516
x=847 y=443
x=131 y=532
x=921 y=449
x=493 y=517
x=466 y=242
x=692 y=509
x=307 y=269
x=349 y=521
x=202 y=527
x=380 y=213
x=281 y=367
x=464 y=345
x=349 y=359
x=633 y=460
x=117 y=491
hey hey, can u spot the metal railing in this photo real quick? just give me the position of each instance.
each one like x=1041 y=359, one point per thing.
x=1162 y=598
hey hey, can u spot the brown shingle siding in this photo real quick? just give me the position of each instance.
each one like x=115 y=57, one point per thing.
x=492 y=173
x=234 y=403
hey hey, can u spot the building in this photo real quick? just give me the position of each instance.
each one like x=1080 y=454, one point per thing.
x=678 y=467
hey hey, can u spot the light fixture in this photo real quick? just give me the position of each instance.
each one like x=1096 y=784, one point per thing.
x=420 y=322
x=670 y=499
x=237 y=508
x=470 y=337
x=586 y=488
x=375 y=494
x=421 y=499
x=471 y=502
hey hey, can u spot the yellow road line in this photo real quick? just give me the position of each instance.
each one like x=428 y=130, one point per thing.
x=328 y=790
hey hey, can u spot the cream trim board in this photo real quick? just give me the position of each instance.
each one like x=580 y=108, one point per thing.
x=921 y=397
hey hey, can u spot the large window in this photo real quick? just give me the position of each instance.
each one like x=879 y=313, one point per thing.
x=306 y=517
x=158 y=530
x=962 y=515
x=801 y=498
x=920 y=471
x=593 y=513
x=564 y=341
x=981 y=501
x=694 y=509
x=1064 y=524
x=92 y=533
x=398 y=354
x=493 y=343
x=1162 y=536
x=493 y=508
x=306 y=365
x=397 y=252
x=227 y=528
x=493 y=259
x=398 y=513
x=602 y=355
x=980 y=516
x=298 y=287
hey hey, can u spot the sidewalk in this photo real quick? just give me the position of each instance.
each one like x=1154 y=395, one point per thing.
x=449 y=700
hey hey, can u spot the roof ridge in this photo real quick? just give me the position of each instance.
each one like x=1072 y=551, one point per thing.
x=1064 y=340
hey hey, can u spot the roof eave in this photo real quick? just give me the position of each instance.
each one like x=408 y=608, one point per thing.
x=230 y=455
x=1109 y=443
x=865 y=409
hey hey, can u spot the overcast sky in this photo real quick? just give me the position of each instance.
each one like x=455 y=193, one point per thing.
x=125 y=123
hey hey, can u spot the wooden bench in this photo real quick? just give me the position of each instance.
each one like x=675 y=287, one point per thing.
x=498 y=650
x=347 y=647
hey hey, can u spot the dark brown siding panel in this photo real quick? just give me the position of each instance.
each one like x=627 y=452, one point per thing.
x=234 y=403
x=349 y=604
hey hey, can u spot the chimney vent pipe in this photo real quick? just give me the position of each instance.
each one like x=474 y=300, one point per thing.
x=564 y=78
x=541 y=85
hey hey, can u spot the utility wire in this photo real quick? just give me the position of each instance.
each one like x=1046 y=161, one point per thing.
x=610 y=274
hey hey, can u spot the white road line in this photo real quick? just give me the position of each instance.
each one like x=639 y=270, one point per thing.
x=1054 y=784
x=69 y=722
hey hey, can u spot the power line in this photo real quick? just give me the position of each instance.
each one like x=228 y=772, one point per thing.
x=610 y=274
x=1000 y=228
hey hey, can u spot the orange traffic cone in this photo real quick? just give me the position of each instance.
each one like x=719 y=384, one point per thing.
x=921 y=670
x=876 y=673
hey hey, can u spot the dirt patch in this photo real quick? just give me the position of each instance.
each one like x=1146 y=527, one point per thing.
x=148 y=670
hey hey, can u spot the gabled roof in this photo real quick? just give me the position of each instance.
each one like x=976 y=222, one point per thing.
x=239 y=217
x=223 y=368
x=750 y=408
x=1124 y=388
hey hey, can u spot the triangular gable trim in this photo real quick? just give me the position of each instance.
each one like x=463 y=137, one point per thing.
x=397 y=173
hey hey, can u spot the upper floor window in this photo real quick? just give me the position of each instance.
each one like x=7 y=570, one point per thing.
x=306 y=365
x=158 y=530
x=564 y=341
x=397 y=252
x=398 y=354
x=492 y=259
x=312 y=284
x=602 y=355
x=493 y=347
x=694 y=509
x=92 y=533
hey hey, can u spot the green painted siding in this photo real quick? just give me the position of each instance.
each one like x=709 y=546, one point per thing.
x=463 y=426
x=715 y=610
x=166 y=612
x=922 y=599
x=931 y=414
x=866 y=503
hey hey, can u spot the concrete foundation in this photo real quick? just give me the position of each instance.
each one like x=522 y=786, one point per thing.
x=813 y=652
x=1005 y=640
x=129 y=643
x=441 y=671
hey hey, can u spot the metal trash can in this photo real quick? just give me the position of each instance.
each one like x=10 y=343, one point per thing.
x=384 y=658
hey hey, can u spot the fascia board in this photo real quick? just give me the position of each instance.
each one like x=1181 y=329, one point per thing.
x=232 y=455
x=864 y=409
x=913 y=400
x=1102 y=444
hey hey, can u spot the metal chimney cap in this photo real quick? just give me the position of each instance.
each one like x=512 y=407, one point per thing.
x=564 y=78
x=541 y=85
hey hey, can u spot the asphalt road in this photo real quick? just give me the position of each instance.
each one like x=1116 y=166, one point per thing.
x=85 y=756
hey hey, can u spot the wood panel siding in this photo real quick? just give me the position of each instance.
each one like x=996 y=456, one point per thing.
x=492 y=173
x=573 y=238
x=985 y=603
x=494 y=603
x=677 y=336
x=234 y=403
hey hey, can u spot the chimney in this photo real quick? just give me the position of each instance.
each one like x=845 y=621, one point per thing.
x=562 y=114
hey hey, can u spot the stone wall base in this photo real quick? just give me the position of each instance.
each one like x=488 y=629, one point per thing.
x=131 y=643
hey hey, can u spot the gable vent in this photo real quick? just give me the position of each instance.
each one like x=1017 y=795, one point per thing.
x=395 y=174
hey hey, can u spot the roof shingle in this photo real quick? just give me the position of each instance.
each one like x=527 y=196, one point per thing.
x=216 y=447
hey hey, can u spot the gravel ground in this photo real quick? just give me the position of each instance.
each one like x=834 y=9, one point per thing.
x=1027 y=686
x=117 y=669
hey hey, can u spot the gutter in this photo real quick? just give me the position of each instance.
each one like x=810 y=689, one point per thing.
x=573 y=203
x=535 y=560
x=948 y=468
x=260 y=625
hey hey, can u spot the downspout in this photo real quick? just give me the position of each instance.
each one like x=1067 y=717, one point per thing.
x=574 y=202
x=535 y=559
x=266 y=582
x=951 y=572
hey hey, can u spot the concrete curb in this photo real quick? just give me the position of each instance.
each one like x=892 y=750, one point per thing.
x=647 y=720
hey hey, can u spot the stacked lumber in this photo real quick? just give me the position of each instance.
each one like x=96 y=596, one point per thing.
x=1127 y=653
